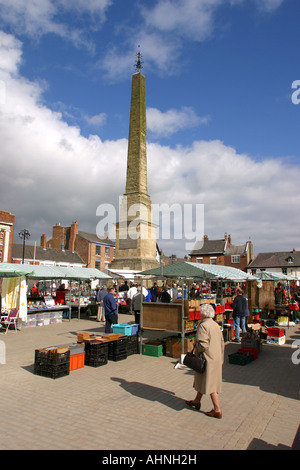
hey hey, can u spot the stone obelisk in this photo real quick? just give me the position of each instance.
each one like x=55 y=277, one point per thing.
x=135 y=233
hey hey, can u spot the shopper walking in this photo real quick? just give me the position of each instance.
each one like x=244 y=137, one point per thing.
x=209 y=340
x=240 y=313
x=110 y=309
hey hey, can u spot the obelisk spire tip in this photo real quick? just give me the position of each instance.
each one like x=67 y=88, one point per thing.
x=138 y=64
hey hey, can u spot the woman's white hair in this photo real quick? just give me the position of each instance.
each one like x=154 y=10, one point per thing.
x=207 y=311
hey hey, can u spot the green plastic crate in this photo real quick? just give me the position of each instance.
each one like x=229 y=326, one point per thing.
x=152 y=349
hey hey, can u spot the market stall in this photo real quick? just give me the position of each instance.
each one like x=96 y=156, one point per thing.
x=175 y=317
x=262 y=301
x=21 y=273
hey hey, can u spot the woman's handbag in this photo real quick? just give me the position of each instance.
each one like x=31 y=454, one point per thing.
x=197 y=363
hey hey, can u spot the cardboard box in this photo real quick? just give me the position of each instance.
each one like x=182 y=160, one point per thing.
x=174 y=346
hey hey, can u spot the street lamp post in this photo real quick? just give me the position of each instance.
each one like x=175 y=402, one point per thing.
x=24 y=234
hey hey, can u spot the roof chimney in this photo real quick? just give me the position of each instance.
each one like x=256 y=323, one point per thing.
x=43 y=243
x=73 y=233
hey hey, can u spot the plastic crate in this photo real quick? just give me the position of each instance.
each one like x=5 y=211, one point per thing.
x=117 y=357
x=132 y=345
x=280 y=340
x=134 y=328
x=50 y=357
x=124 y=329
x=118 y=347
x=96 y=350
x=152 y=349
x=251 y=343
x=276 y=332
x=95 y=361
x=253 y=351
x=197 y=315
x=52 y=371
x=76 y=361
x=240 y=359
x=191 y=314
x=220 y=309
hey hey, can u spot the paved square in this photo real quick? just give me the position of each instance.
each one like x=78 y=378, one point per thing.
x=138 y=403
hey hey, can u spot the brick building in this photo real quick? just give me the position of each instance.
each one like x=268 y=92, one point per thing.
x=222 y=252
x=95 y=252
x=7 y=225
x=47 y=256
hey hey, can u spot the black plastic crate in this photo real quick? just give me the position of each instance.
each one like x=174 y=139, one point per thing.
x=51 y=358
x=97 y=350
x=94 y=345
x=117 y=357
x=53 y=372
x=118 y=347
x=95 y=361
x=133 y=345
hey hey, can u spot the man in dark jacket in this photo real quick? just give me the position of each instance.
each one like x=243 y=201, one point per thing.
x=240 y=312
x=154 y=292
x=110 y=309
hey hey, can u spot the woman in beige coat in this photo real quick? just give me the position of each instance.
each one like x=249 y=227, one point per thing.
x=210 y=341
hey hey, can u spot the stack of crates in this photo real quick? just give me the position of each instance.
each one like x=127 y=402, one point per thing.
x=117 y=350
x=96 y=353
x=52 y=362
x=276 y=335
x=132 y=345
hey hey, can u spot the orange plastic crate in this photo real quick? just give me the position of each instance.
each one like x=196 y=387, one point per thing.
x=76 y=361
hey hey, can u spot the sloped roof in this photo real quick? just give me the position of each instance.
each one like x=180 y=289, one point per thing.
x=235 y=250
x=47 y=254
x=93 y=238
x=276 y=260
x=209 y=247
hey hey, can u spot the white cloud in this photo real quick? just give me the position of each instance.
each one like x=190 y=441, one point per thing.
x=39 y=17
x=168 y=123
x=50 y=173
x=189 y=18
x=97 y=120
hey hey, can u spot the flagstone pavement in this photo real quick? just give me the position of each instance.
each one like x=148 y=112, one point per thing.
x=138 y=403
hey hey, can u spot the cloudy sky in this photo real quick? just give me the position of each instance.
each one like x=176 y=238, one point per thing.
x=222 y=81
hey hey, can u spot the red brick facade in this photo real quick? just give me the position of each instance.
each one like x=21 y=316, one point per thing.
x=95 y=252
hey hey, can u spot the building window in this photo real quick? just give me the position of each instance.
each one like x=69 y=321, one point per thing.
x=213 y=260
x=1 y=238
x=97 y=265
x=235 y=259
x=98 y=250
x=199 y=260
x=107 y=252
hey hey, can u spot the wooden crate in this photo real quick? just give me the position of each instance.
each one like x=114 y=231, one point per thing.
x=174 y=346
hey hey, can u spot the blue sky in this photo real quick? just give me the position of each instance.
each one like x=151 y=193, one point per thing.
x=222 y=128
